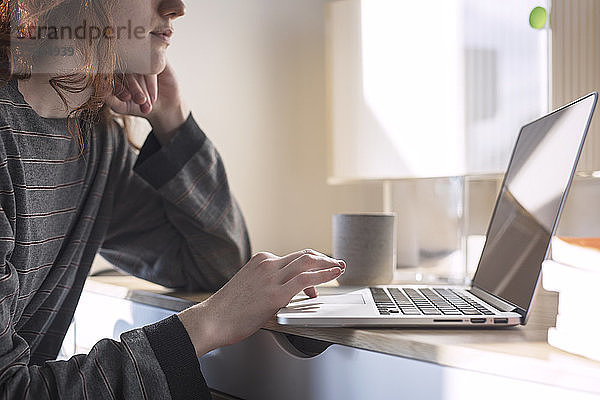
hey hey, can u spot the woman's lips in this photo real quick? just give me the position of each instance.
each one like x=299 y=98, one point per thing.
x=163 y=36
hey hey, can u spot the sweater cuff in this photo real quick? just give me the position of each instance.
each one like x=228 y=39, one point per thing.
x=177 y=358
x=158 y=164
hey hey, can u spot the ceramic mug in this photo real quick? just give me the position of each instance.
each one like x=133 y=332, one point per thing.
x=367 y=243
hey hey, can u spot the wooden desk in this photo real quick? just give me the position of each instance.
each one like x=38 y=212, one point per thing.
x=357 y=363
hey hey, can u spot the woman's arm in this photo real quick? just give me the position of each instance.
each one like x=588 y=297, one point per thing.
x=174 y=220
x=132 y=368
x=188 y=174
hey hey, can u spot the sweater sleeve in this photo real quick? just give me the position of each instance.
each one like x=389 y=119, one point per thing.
x=142 y=365
x=175 y=221
x=136 y=367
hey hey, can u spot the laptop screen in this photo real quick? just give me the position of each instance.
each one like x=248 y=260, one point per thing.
x=535 y=185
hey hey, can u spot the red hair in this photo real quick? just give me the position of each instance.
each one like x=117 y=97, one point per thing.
x=100 y=60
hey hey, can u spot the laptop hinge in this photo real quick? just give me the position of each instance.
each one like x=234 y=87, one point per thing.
x=493 y=300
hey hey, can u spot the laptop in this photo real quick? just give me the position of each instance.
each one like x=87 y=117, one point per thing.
x=525 y=217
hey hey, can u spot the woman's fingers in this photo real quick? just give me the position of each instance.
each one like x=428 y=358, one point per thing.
x=297 y=254
x=285 y=260
x=145 y=101
x=307 y=263
x=152 y=86
x=136 y=90
x=313 y=278
x=117 y=105
x=299 y=262
x=120 y=91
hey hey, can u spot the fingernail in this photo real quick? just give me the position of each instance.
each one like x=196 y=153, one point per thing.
x=140 y=98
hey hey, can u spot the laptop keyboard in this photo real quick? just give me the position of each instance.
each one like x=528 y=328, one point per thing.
x=426 y=301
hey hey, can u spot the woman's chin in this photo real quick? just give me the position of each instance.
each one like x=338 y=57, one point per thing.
x=158 y=63
x=152 y=67
x=143 y=60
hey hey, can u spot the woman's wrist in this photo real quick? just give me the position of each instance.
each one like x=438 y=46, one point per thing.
x=165 y=123
x=196 y=321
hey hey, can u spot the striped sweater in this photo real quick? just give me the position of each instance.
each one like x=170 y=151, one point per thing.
x=165 y=215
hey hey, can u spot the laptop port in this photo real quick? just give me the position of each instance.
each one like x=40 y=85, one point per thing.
x=501 y=320
x=478 y=320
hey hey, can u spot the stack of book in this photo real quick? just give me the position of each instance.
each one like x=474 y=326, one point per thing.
x=574 y=272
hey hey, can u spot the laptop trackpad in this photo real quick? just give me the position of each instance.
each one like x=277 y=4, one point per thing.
x=330 y=299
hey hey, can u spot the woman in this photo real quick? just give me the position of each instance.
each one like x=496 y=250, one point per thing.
x=70 y=186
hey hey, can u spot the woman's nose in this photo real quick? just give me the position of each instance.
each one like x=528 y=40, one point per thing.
x=171 y=8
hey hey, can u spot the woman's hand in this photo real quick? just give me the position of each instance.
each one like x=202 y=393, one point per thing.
x=263 y=286
x=154 y=97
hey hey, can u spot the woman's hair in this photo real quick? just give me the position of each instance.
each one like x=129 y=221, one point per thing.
x=98 y=55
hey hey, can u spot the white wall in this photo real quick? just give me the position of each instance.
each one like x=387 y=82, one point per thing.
x=254 y=73
x=576 y=72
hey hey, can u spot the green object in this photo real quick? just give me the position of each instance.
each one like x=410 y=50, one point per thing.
x=537 y=18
